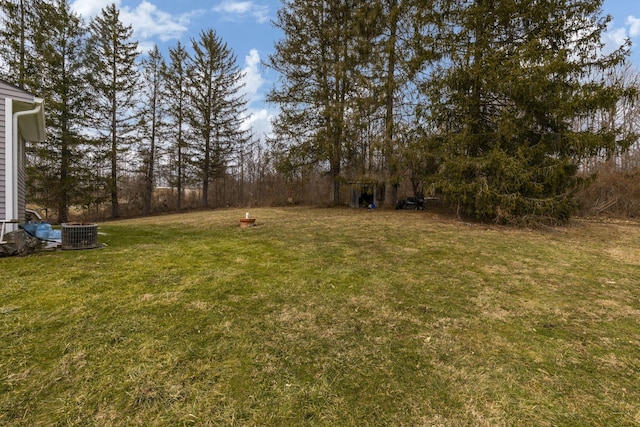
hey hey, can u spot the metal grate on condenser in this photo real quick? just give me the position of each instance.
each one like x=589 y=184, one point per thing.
x=79 y=236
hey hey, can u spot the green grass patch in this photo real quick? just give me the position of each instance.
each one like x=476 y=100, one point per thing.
x=325 y=317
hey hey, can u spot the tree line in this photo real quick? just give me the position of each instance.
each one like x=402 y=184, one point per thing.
x=111 y=113
x=495 y=107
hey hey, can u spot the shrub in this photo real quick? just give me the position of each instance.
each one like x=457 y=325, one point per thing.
x=612 y=192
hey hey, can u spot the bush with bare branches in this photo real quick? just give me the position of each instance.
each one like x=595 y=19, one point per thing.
x=612 y=192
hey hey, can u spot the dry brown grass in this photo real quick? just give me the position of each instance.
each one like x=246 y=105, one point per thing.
x=612 y=193
x=325 y=317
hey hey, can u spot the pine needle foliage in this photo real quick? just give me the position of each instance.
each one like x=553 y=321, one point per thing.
x=57 y=171
x=490 y=95
x=16 y=24
x=217 y=107
x=113 y=79
x=512 y=80
x=320 y=61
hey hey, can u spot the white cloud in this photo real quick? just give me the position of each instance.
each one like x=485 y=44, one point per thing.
x=90 y=8
x=234 y=10
x=257 y=120
x=145 y=46
x=613 y=39
x=252 y=80
x=148 y=22
x=634 y=25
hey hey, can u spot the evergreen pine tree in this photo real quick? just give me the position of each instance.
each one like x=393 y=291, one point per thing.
x=57 y=170
x=319 y=61
x=16 y=33
x=152 y=117
x=401 y=34
x=176 y=95
x=113 y=76
x=503 y=102
x=217 y=107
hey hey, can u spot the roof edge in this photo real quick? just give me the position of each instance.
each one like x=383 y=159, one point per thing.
x=16 y=87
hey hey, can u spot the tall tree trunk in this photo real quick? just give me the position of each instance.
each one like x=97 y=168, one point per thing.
x=334 y=173
x=149 y=178
x=64 y=190
x=23 y=36
x=391 y=192
x=179 y=183
x=150 y=175
x=115 y=206
x=206 y=171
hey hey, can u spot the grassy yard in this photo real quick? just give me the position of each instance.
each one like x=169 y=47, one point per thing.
x=329 y=317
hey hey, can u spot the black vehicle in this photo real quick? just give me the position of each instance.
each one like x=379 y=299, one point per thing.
x=410 y=203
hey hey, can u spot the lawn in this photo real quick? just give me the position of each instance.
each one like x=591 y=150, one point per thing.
x=331 y=317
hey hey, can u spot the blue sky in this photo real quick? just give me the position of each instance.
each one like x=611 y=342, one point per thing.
x=246 y=27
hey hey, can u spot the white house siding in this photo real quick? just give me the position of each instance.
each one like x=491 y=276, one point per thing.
x=8 y=91
x=3 y=191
